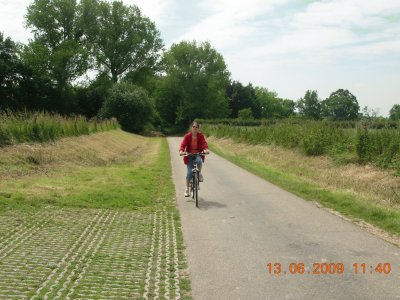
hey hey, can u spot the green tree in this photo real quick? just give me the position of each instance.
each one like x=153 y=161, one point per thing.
x=310 y=106
x=19 y=88
x=130 y=105
x=241 y=97
x=120 y=38
x=271 y=106
x=57 y=50
x=341 y=105
x=268 y=101
x=10 y=72
x=394 y=113
x=92 y=96
x=287 y=107
x=194 y=85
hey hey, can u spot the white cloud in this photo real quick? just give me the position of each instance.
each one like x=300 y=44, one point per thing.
x=228 y=21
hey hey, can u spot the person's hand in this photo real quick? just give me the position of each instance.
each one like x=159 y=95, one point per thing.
x=205 y=151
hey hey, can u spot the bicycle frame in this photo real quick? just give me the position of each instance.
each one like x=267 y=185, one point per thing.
x=194 y=181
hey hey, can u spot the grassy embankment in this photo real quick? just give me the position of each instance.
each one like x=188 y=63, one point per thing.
x=31 y=127
x=363 y=192
x=113 y=171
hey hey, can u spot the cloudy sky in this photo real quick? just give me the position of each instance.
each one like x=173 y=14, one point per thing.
x=288 y=46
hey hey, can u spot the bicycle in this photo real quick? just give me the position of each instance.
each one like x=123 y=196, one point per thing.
x=194 y=181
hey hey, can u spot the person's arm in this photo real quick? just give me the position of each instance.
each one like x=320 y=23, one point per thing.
x=204 y=145
x=183 y=145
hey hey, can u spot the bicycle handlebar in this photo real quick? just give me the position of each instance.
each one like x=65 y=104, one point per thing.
x=193 y=154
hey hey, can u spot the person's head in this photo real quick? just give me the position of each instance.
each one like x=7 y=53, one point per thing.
x=195 y=127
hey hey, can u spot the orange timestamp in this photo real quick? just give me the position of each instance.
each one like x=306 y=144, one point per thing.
x=326 y=268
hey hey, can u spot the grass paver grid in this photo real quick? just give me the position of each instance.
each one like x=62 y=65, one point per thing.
x=33 y=257
x=73 y=253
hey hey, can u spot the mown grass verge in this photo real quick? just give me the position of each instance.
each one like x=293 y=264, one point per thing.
x=120 y=185
x=347 y=204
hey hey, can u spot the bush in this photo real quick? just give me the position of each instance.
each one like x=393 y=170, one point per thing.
x=340 y=140
x=130 y=105
x=245 y=114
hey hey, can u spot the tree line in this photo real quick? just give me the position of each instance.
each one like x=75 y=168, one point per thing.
x=136 y=79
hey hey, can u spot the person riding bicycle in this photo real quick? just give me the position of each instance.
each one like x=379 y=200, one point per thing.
x=193 y=142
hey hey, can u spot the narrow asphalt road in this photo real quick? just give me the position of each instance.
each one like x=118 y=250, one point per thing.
x=243 y=223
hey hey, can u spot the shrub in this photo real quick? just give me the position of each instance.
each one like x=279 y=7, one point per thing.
x=130 y=105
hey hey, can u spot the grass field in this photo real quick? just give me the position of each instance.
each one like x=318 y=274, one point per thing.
x=359 y=192
x=90 y=217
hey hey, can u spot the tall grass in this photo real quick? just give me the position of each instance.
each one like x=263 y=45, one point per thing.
x=377 y=146
x=26 y=126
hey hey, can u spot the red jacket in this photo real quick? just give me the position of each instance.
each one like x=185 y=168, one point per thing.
x=186 y=145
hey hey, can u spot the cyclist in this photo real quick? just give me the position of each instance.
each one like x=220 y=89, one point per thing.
x=193 y=142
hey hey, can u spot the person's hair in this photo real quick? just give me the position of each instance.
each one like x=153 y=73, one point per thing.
x=195 y=122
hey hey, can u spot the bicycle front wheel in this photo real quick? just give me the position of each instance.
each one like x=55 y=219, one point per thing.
x=196 y=188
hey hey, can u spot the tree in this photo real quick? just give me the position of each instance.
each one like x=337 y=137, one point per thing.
x=57 y=50
x=394 y=113
x=241 y=97
x=19 y=88
x=120 y=38
x=287 y=107
x=10 y=73
x=310 y=106
x=268 y=101
x=130 y=105
x=271 y=106
x=341 y=105
x=194 y=85
x=91 y=97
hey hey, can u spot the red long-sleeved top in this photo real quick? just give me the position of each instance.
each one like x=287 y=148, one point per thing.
x=186 y=145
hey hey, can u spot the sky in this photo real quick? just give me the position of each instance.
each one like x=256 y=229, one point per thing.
x=289 y=46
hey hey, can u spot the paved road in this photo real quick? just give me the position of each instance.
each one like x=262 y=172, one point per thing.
x=243 y=223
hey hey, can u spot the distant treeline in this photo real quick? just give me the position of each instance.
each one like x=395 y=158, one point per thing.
x=24 y=127
x=357 y=144
x=144 y=86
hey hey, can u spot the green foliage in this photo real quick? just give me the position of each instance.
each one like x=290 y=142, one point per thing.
x=241 y=97
x=90 y=98
x=10 y=70
x=57 y=49
x=130 y=105
x=120 y=38
x=24 y=127
x=245 y=114
x=344 y=145
x=381 y=147
x=341 y=105
x=394 y=113
x=310 y=106
x=271 y=106
x=194 y=85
